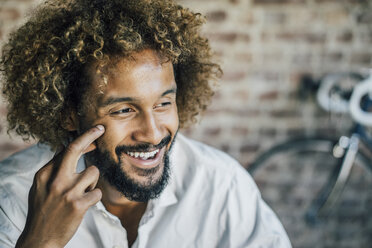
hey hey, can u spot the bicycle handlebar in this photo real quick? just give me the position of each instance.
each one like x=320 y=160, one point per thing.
x=328 y=103
x=362 y=89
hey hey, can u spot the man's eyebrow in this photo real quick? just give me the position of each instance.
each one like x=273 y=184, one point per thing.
x=113 y=100
x=170 y=91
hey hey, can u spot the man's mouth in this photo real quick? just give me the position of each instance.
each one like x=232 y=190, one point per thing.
x=145 y=160
x=143 y=155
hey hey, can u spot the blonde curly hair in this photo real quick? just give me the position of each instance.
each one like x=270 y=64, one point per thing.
x=43 y=62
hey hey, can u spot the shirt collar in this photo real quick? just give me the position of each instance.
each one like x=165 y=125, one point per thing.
x=167 y=197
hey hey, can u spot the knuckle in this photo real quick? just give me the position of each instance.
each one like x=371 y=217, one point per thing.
x=77 y=206
x=73 y=202
x=97 y=194
x=69 y=198
x=42 y=173
x=56 y=187
x=73 y=148
x=94 y=196
x=36 y=185
x=39 y=176
x=92 y=170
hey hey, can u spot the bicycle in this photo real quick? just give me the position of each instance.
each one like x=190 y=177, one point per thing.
x=317 y=156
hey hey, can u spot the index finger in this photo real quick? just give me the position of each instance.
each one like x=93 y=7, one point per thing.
x=78 y=147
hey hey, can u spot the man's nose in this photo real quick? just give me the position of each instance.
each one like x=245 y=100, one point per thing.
x=149 y=129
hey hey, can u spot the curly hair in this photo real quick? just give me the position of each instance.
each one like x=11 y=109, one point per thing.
x=44 y=60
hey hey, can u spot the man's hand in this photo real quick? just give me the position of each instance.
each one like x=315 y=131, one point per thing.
x=59 y=197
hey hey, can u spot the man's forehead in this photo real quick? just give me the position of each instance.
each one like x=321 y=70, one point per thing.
x=145 y=59
x=139 y=65
x=126 y=63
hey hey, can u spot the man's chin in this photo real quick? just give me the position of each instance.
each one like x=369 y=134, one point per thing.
x=145 y=178
x=145 y=184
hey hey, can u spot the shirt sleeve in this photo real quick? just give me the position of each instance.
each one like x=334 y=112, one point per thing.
x=9 y=233
x=250 y=222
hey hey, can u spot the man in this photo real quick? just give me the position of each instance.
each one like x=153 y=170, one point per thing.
x=104 y=86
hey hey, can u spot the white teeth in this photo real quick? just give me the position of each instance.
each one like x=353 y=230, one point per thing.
x=143 y=155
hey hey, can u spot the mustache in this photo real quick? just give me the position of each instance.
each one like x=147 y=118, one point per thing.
x=144 y=147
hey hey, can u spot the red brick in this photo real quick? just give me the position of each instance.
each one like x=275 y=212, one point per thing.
x=271 y=76
x=300 y=37
x=302 y=59
x=315 y=37
x=249 y=148
x=345 y=37
x=211 y=113
x=281 y=2
x=11 y=14
x=234 y=75
x=366 y=37
x=212 y=131
x=241 y=95
x=362 y=58
x=268 y=131
x=332 y=57
x=187 y=131
x=216 y=16
x=326 y=1
x=247 y=57
x=240 y=131
x=228 y=37
x=296 y=132
x=248 y=19
x=219 y=53
x=265 y=36
x=284 y=113
x=276 y=18
x=9 y=146
x=217 y=96
x=272 y=95
x=3 y=109
x=326 y=131
x=223 y=37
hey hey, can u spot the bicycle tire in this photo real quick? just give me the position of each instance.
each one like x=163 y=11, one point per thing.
x=282 y=174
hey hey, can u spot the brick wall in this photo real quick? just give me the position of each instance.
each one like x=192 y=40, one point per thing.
x=265 y=46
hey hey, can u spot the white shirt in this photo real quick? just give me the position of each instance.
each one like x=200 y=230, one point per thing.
x=210 y=201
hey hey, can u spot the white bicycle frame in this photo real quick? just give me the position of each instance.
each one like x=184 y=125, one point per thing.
x=350 y=145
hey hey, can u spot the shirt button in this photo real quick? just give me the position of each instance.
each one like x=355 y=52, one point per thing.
x=116 y=246
x=104 y=215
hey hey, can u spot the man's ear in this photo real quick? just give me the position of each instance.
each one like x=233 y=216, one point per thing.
x=70 y=121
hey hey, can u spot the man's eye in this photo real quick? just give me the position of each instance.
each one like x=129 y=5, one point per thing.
x=122 y=111
x=163 y=104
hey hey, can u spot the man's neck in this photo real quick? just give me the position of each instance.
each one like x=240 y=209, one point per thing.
x=113 y=198
x=129 y=212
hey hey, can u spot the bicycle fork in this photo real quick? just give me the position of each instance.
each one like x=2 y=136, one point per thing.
x=346 y=149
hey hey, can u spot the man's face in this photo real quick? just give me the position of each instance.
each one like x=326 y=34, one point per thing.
x=138 y=109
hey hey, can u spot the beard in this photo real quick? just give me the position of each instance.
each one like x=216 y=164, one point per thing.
x=112 y=171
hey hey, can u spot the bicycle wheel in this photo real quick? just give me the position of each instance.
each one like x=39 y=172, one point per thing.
x=291 y=175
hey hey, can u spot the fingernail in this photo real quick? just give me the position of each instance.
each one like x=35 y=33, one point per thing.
x=100 y=127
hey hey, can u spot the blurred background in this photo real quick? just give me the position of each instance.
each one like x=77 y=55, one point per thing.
x=265 y=48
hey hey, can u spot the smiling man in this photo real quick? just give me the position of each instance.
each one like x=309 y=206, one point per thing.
x=105 y=86
x=139 y=111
